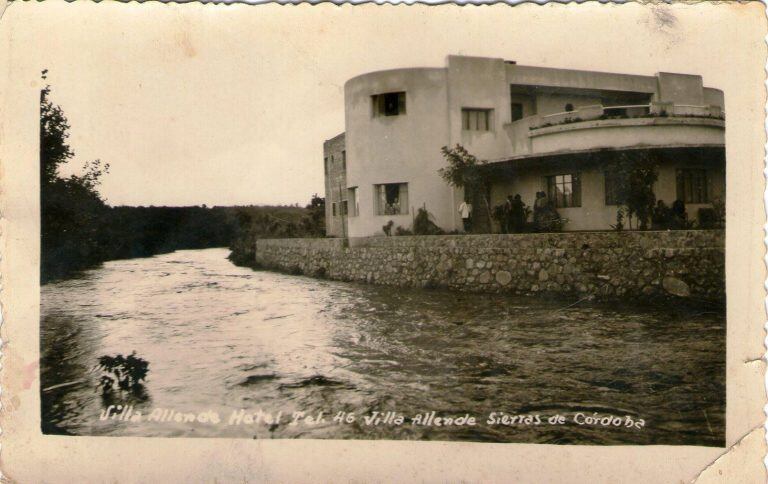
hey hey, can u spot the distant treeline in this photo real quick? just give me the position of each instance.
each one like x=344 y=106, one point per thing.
x=79 y=230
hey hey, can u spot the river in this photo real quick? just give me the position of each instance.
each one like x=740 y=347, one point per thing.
x=221 y=339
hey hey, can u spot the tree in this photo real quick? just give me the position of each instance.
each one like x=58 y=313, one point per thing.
x=71 y=209
x=634 y=176
x=466 y=171
x=313 y=224
x=54 y=131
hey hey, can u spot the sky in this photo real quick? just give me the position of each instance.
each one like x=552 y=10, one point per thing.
x=230 y=105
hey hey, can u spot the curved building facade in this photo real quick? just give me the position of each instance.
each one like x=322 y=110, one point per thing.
x=542 y=130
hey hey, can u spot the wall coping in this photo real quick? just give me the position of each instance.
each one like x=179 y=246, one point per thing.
x=717 y=236
x=628 y=122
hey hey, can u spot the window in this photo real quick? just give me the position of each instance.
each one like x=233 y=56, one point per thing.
x=517 y=111
x=333 y=209
x=568 y=107
x=692 y=186
x=325 y=164
x=344 y=160
x=388 y=104
x=476 y=119
x=564 y=190
x=612 y=195
x=344 y=209
x=353 y=195
x=391 y=198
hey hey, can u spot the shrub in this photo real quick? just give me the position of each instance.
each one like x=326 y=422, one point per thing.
x=619 y=225
x=707 y=218
x=123 y=372
x=423 y=224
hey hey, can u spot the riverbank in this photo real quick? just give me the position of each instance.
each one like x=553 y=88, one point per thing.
x=227 y=340
x=603 y=265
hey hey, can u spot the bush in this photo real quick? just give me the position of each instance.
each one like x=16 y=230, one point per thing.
x=707 y=218
x=123 y=372
x=423 y=224
x=387 y=229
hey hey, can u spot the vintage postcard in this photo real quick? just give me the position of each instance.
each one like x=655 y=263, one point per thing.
x=325 y=243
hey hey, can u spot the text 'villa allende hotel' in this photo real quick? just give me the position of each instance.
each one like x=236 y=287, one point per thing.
x=542 y=129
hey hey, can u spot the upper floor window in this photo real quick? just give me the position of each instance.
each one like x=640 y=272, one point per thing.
x=333 y=209
x=564 y=190
x=344 y=160
x=692 y=185
x=568 y=107
x=517 y=111
x=388 y=104
x=344 y=208
x=476 y=119
x=391 y=198
x=325 y=164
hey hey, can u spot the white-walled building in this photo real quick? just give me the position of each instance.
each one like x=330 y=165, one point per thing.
x=542 y=129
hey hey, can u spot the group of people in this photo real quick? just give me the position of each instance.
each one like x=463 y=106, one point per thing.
x=513 y=214
x=664 y=217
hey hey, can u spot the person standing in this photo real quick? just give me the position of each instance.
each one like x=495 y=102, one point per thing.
x=517 y=214
x=507 y=223
x=538 y=209
x=465 y=210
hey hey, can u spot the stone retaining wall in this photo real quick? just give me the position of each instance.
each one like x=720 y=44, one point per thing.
x=603 y=264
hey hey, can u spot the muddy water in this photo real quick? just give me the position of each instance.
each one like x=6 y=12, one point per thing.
x=222 y=339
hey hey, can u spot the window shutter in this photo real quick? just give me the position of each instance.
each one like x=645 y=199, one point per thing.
x=576 y=189
x=382 y=199
x=404 y=198
x=482 y=120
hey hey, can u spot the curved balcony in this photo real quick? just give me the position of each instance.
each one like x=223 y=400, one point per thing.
x=597 y=127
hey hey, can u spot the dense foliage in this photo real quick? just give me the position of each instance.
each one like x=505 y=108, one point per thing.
x=634 y=176
x=79 y=230
x=71 y=208
x=466 y=171
x=122 y=372
x=273 y=223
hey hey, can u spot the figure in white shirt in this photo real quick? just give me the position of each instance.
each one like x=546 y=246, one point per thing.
x=465 y=210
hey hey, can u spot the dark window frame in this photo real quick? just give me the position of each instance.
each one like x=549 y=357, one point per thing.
x=692 y=185
x=471 y=119
x=401 y=195
x=389 y=104
x=560 y=199
x=516 y=110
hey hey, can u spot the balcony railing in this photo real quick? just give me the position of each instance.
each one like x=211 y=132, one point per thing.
x=598 y=112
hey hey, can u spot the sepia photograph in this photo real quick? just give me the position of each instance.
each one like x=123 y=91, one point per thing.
x=353 y=223
x=498 y=252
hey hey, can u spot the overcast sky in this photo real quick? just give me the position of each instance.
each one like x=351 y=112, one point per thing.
x=230 y=105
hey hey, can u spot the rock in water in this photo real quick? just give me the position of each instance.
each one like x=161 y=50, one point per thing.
x=676 y=287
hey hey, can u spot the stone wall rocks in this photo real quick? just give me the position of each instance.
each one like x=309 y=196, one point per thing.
x=601 y=264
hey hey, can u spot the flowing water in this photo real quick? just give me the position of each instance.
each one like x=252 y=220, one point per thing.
x=223 y=340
